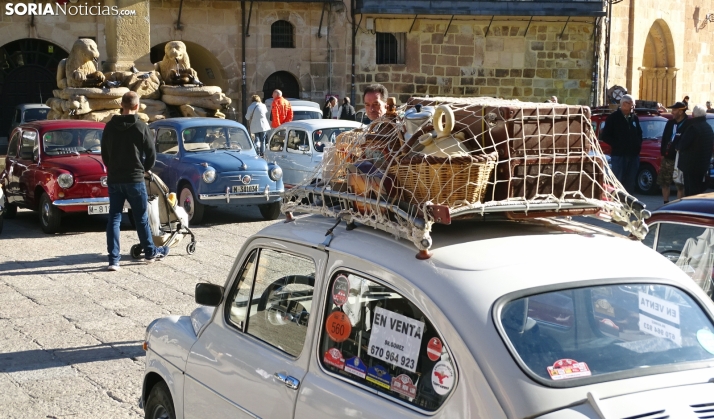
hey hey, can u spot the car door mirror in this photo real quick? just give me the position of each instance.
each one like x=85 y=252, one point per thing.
x=304 y=148
x=209 y=295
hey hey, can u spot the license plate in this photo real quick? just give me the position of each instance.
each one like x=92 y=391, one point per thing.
x=245 y=188
x=98 y=209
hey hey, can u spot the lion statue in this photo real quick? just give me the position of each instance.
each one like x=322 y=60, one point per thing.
x=175 y=68
x=80 y=68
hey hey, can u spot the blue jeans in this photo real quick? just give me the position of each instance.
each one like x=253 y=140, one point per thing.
x=135 y=194
x=260 y=137
x=625 y=169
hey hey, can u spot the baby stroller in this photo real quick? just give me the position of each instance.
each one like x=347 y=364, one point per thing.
x=170 y=225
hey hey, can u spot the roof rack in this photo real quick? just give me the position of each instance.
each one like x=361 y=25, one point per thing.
x=437 y=159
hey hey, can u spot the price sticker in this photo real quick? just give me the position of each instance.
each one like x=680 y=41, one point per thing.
x=338 y=326
x=395 y=339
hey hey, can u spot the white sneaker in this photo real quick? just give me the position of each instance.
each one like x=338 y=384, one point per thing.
x=114 y=268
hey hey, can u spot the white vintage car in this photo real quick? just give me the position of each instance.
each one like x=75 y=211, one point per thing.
x=505 y=320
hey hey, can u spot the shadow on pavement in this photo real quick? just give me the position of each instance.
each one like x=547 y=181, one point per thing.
x=39 y=359
x=62 y=264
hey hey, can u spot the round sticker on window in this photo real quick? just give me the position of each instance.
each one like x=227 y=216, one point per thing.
x=433 y=349
x=338 y=326
x=442 y=378
x=706 y=339
x=340 y=290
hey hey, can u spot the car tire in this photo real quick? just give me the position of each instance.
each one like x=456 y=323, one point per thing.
x=159 y=404
x=194 y=209
x=270 y=211
x=10 y=211
x=647 y=180
x=50 y=216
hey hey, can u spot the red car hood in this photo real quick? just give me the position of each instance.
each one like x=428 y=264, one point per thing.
x=82 y=165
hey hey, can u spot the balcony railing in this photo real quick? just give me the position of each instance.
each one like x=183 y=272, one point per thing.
x=484 y=7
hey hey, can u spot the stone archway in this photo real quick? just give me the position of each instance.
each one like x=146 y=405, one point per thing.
x=28 y=74
x=207 y=66
x=283 y=81
x=658 y=78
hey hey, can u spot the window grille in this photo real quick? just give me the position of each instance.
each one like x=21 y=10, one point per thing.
x=282 y=35
x=390 y=48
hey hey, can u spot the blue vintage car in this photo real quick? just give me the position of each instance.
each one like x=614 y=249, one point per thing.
x=212 y=162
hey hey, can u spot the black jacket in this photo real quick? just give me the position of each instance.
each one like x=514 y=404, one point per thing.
x=347 y=112
x=127 y=149
x=327 y=111
x=695 y=147
x=668 y=147
x=624 y=138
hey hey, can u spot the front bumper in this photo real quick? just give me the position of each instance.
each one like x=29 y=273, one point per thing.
x=266 y=196
x=80 y=202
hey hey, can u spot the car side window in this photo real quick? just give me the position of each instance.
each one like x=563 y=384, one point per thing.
x=17 y=116
x=277 y=141
x=373 y=336
x=296 y=138
x=12 y=146
x=166 y=141
x=691 y=248
x=27 y=145
x=272 y=299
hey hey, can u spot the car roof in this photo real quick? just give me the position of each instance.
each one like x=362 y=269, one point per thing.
x=24 y=106
x=313 y=124
x=297 y=102
x=51 y=124
x=700 y=205
x=189 y=122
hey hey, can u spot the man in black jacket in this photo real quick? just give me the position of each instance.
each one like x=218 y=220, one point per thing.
x=128 y=153
x=695 y=152
x=623 y=133
x=673 y=130
x=347 y=111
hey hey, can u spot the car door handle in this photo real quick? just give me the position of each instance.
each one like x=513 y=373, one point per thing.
x=290 y=382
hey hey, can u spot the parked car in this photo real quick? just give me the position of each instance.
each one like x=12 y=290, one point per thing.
x=298 y=146
x=25 y=112
x=55 y=167
x=212 y=162
x=302 y=109
x=683 y=231
x=650 y=159
x=505 y=320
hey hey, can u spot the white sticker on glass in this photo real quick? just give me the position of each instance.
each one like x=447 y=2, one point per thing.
x=395 y=339
x=659 y=307
x=660 y=329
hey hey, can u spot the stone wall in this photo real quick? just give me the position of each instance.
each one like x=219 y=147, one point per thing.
x=507 y=63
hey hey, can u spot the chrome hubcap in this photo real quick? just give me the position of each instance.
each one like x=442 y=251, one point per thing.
x=46 y=214
x=186 y=200
x=161 y=413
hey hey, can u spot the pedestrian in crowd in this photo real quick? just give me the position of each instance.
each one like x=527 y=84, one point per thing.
x=335 y=109
x=347 y=111
x=375 y=102
x=623 y=133
x=673 y=130
x=662 y=109
x=686 y=101
x=327 y=109
x=553 y=99
x=257 y=116
x=280 y=109
x=128 y=153
x=695 y=152
x=709 y=107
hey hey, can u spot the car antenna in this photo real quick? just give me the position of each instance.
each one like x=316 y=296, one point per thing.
x=40 y=90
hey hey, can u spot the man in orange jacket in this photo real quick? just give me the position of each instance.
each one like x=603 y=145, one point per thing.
x=281 y=110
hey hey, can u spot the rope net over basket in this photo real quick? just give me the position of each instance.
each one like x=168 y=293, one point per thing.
x=435 y=159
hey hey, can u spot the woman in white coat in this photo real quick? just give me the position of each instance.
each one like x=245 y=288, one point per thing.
x=257 y=116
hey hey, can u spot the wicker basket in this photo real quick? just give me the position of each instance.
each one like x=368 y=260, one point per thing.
x=451 y=181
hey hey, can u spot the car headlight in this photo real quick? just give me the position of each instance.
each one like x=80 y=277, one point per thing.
x=65 y=180
x=275 y=173
x=209 y=175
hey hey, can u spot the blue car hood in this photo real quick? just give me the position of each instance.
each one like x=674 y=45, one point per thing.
x=227 y=161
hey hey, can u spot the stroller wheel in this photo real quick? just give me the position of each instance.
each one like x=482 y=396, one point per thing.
x=191 y=248
x=136 y=251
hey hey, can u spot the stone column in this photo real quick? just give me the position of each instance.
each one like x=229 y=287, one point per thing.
x=671 y=85
x=128 y=36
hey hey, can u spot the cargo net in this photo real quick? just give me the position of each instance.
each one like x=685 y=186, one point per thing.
x=435 y=159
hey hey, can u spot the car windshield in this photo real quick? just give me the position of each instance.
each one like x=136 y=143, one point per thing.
x=39 y=114
x=574 y=334
x=652 y=128
x=72 y=141
x=322 y=137
x=300 y=115
x=207 y=138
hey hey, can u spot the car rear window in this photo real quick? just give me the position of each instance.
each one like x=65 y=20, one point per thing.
x=376 y=338
x=301 y=115
x=39 y=114
x=652 y=128
x=576 y=334
x=322 y=137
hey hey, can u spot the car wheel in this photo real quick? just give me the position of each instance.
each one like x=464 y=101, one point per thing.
x=647 y=179
x=159 y=404
x=50 y=216
x=194 y=209
x=270 y=211
x=10 y=211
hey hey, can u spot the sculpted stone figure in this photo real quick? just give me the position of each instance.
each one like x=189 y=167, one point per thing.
x=175 y=68
x=80 y=68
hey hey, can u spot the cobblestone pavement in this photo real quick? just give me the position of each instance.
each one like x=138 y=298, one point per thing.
x=71 y=332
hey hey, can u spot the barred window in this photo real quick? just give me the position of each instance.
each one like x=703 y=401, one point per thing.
x=390 y=48
x=282 y=35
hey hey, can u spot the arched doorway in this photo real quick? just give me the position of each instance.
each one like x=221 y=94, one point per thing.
x=658 y=78
x=208 y=69
x=283 y=81
x=28 y=74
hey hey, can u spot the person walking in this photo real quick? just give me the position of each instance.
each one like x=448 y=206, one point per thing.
x=695 y=152
x=280 y=109
x=128 y=153
x=335 y=109
x=347 y=111
x=709 y=107
x=673 y=130
x=374 y=98
x=624 y=135
x=327 y=109
x=257 y=116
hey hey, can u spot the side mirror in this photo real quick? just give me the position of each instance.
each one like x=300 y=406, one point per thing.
x=209 y=294
x=304 y=148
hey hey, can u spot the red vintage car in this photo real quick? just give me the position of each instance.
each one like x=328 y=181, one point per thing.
x=650 y=159
x=55 y=167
